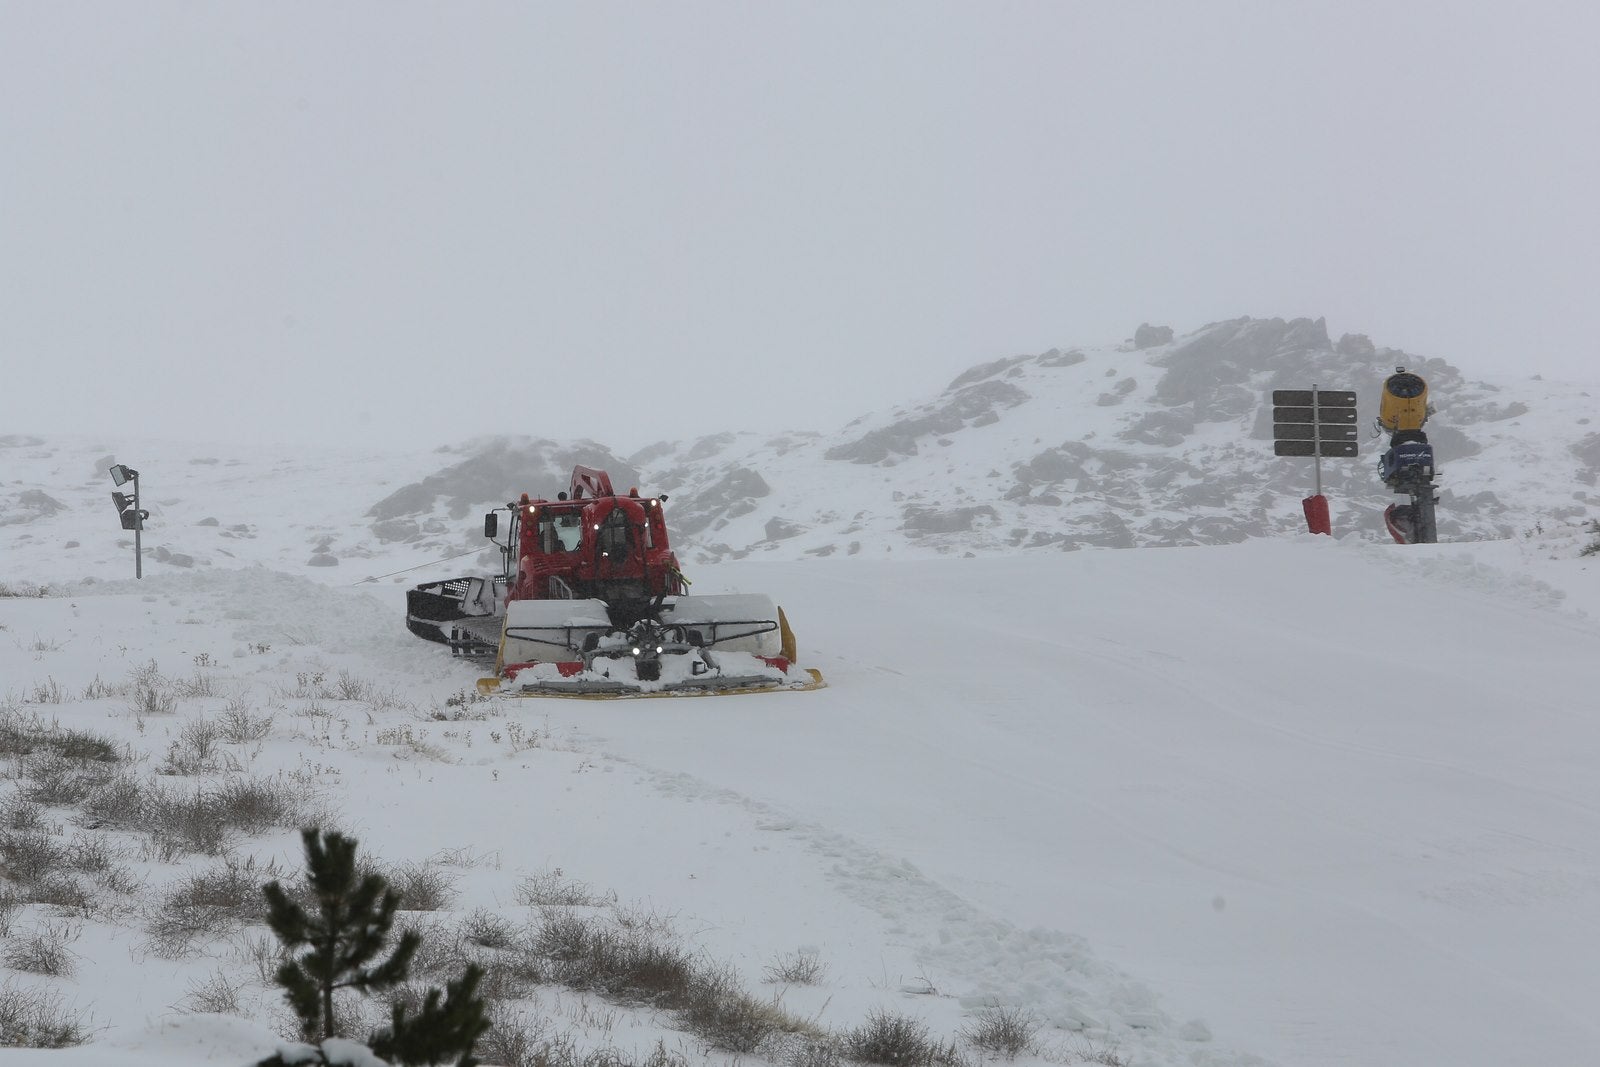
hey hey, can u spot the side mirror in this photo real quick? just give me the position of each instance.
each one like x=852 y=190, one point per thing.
x=491 y=524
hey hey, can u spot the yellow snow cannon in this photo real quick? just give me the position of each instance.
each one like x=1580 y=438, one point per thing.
x=1405 y=402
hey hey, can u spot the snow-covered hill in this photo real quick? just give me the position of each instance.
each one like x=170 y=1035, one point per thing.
x=1293 y=800
x=1163 y=445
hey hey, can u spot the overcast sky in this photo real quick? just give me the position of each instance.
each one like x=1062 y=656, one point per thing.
x=405 y=221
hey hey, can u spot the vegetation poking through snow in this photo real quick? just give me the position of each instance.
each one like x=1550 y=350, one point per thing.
x=31 y=1017
x=343 y=944
x=1593 y=547
x=1002 y=1031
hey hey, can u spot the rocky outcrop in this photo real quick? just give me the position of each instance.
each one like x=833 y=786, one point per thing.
x=983 y=399
x=1148 y=336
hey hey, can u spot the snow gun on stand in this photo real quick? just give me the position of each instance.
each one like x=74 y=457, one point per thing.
x=1407 y=466
x=590 y=603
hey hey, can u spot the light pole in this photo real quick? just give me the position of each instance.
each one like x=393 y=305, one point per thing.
x=129 y=513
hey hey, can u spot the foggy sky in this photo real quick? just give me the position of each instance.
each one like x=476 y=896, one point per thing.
x=402 y=221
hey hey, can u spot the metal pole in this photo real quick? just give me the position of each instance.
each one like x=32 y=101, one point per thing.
x=138 y=528
x=1316 y=440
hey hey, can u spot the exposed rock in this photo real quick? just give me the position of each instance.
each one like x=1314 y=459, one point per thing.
x=1057 y=358
x=322 y=559
x=1450 y=443
x=30 y=506
x=731 y=495
x=918 y=520
x=1148 y=336
x=40 y=501
x=496 y=471
x=706 y=447
x=985 y=370
x=1165 y=429
x=1588 y=450
x=392 y=530
x=1356 y=344
x=900 y=438
x=781 y=529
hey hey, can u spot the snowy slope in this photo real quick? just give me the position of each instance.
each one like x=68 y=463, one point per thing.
x=1293 y=800
x=1193 y=805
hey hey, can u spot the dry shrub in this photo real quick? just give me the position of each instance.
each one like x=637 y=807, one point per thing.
x=208 y=903
x=1002 y=1031
x=216 y=994
x=99 y=690
x=30 y=856
x=150 y=694
x=899 y=1041
x=203 y=820
x=240 y=727
x=10 y=902
x=43 y=951
x=198 y=685
x=796 y=968
x=720 y=1011
x=483 y=927
x=27 y=735
x=55 y=780
x=521 y=1039
x=34 y=1018
x=19 y=814
x=195 y=750
x=552 y=888
x=422 y=886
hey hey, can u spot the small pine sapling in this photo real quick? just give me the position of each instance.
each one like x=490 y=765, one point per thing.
x=439 y=1031
x=343 y=940
x=339 y=947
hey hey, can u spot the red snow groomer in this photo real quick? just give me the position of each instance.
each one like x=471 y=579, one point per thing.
x=591 y=602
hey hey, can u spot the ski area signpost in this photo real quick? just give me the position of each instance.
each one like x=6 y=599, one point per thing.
x=1314 y=422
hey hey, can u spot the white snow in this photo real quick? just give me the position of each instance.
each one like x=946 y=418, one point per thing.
x=1310 y=801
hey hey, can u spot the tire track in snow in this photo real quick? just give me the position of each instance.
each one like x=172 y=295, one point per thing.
x=983 y=961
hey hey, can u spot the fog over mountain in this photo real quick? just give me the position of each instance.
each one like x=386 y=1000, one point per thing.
x=1163 y=440
x=1160 y=441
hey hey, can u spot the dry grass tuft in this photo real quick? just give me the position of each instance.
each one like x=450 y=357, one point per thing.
x=1002 y=1031
x=899 y=1041
x=43 y=951
x=796 y=968
x=34 y=1018
x=206 y=904
x=552 y=889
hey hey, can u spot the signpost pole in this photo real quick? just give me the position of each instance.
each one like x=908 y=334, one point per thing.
x=138 y=530
x=1316 y=421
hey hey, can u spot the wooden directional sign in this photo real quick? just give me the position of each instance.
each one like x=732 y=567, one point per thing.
x=1316 y=414
x=1314 y=448
x=1301 y=398
x=1297 y=432
x=1318 y=422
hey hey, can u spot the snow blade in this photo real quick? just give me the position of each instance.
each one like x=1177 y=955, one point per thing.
x=573 y=681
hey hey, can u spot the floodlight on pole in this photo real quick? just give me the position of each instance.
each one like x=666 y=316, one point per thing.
x=129 y=513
